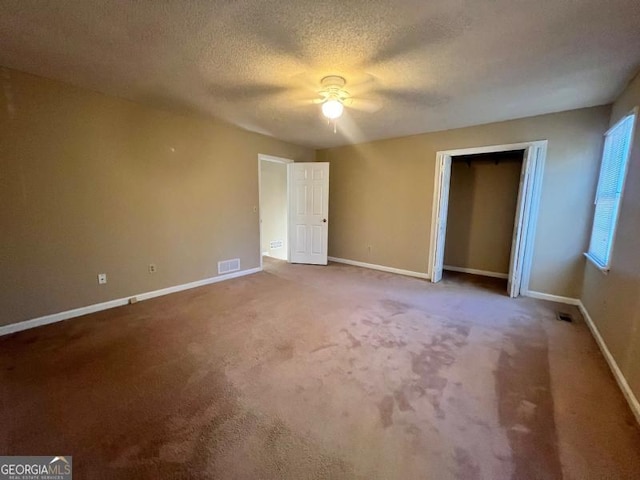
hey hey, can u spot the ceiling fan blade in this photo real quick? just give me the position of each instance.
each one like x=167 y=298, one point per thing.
x=361 y=84
x=363 y=105
x=245 y=92
x=415 y=97
x=306 y=81
x=303 y=103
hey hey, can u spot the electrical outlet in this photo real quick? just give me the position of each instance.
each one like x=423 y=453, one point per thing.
x=102 y=278
x=152 y=268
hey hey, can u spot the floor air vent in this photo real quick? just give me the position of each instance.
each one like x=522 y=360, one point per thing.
x=228 y=266
x=565 y=317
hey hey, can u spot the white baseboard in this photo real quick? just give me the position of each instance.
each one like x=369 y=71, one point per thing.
x=634 y=404
x=474 y=271
x=77 y=312
x=382 y=268
x=551 y=298
x=613 y=365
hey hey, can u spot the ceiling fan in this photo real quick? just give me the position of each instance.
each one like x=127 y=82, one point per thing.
x=333 y=98
x=333 y=93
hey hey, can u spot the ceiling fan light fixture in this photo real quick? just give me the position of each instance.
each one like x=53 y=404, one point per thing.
x=332 y=109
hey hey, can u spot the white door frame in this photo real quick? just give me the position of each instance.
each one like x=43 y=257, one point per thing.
x=270 y=158
x=532 y=172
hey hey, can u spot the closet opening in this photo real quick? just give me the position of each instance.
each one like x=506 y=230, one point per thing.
x=483 y=196
x=485 y=212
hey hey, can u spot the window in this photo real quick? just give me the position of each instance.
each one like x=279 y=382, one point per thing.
x=617 y=145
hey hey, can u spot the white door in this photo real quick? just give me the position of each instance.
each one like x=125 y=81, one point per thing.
x=521 y=223
x=308 y=212
x=441 y=216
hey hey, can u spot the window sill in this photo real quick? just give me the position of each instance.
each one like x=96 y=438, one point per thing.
x=604 y=270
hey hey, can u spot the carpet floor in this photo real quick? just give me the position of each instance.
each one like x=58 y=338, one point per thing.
x=303 y=372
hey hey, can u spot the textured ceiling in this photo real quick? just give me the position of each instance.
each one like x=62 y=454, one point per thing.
x=430 y=65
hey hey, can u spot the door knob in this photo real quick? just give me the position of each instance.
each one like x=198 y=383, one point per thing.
x=324 y=220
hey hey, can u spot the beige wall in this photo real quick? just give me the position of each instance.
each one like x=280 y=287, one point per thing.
x=482 y=207
x=91 y=183
x=613 y=300
x=273 y=191
x=382 y=193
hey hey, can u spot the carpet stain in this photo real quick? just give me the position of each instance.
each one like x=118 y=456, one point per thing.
x=377 y=331
x=394 y=307
x=466 y=467
x=324 y=347
x=385 y=406
x=525 y=405
x=434 y=357
x=402 y=401
x=370 y=323
x=383 y=341
x=284 y=351
x=355 y=343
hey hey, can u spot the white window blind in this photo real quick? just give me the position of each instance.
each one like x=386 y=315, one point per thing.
x=617 y=146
